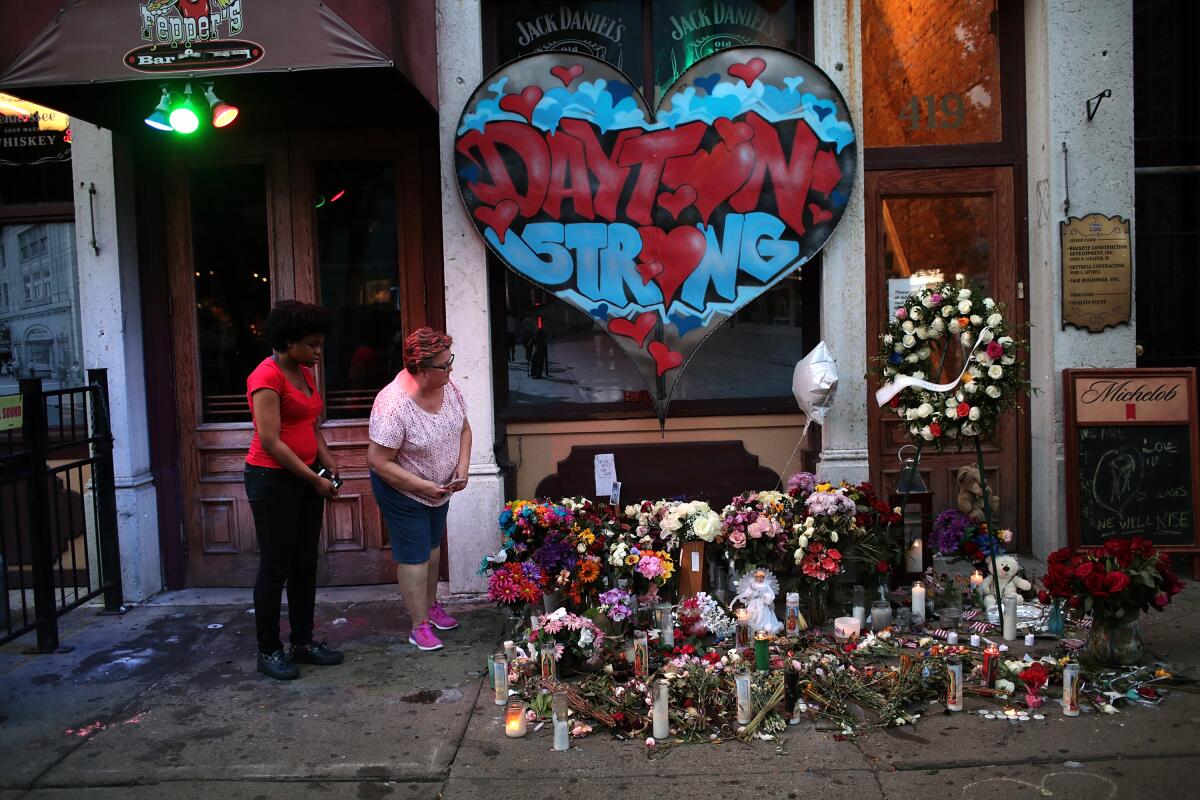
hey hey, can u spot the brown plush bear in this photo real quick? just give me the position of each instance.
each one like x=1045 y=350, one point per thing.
x=970 y=493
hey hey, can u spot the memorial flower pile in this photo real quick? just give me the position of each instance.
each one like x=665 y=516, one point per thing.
x=568 y=633
x=956 y=534
x=1122 y=577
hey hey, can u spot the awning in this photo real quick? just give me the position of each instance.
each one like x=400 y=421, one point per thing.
x=90 y=50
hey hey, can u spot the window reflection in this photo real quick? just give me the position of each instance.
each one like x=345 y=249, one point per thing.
x=357 y=255
x=610 y=30
x=231 y=259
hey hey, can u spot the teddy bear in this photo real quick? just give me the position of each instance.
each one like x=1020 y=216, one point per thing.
x=1011 y=582
x=970 y=493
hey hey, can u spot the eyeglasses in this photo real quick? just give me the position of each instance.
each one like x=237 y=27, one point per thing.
x=443 y=367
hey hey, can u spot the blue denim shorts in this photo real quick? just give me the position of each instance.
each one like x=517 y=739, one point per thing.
x=413 y=528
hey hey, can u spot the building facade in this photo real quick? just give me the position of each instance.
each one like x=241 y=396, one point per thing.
x=974 y=128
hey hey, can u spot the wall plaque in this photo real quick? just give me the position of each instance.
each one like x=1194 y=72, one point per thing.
x=1097 y=272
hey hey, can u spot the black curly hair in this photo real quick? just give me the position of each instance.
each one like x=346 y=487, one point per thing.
x=291 y=320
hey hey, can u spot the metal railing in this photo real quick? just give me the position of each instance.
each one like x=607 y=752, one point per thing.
x=58 y=510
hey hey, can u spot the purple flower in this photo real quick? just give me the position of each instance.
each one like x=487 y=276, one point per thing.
x=802 y=483
x=949 y=530
x=830 y=504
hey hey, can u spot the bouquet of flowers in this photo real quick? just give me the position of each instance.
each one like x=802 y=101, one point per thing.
x=1123 y=577
x=693 y=521
x=647 y=520
x=756 y=528
x=515 y=583
x=956 y=534
x=568 y=633
x=829 y=519
x=616 y=604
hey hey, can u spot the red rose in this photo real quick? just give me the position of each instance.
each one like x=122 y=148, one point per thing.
x=1096 y=584
x=1116 y=582
x=1044 y=597
x=834 y=553
x=1075 y=601
x=963 y=410
x=1160 y=601
x=935 y=429
x=1060 y=556
x=995 y=349
x=1084 y=570
x=881 y=567
x=894 y=402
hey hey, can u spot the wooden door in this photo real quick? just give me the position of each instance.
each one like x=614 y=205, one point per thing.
x=263 y=220
x=947 y=225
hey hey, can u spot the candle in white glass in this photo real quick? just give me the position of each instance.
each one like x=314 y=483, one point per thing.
x=662 y=721
x=1010 y=617
x=1029 y=640
x=846 y=628
x=952 y=637
x=500 y=678
x=562 y=728
x=975 y=640
x=859 y=605
x=918 y=602
x=745 y=706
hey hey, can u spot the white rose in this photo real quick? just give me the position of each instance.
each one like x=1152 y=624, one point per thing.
x=947 y=310
x=967 y=338
x=995 y=319
x=916 y=313
x=937 y=325
x=973 y=414
x=919 y=375
x=911 y=358
x=706 y=527
x=964 y=307
x=798 y=555
x=986 y=335
x=803 y=542
x=951 y=411
x=958 y=396
x=992 y=392
x=951 y=402
x=914 y=430
x=924 y=352
x=963 y=293
x=897 y=347
x=1005 y=340
x=908 y=326
x=927 y=300
x=581 y=547
x=910 y=414
x=924 y=410
x=976 y=320
x=971 y=387
x=909 y=340
x=887 y=339
x=833 y=537
x=995 y=372
x=954 y=326
x=1008 y=360
x=926 y=434
x=969 y=430
x=900 y=412
x=989 y=303
x=975 y=372
x=983 y=358
x=1005 y=686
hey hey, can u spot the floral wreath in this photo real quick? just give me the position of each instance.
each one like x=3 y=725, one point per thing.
x=990 y=384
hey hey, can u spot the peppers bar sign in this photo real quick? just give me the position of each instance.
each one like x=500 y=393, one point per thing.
x=659 y=226
x=191 y=35
x=32 y=134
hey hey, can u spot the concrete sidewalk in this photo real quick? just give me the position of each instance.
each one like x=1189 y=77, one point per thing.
x=165 y=702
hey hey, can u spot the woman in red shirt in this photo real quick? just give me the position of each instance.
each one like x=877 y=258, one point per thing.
x=289 y=475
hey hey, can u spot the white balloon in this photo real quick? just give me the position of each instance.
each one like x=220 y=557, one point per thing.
x=814 y=383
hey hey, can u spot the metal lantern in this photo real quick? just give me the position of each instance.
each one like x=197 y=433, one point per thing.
x=915 y=502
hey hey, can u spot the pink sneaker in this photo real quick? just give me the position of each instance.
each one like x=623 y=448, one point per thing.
x=422 y=636
x=440 y=619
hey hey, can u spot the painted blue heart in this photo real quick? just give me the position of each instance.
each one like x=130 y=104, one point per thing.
x=619 y=91
x=469 y=173
x=685 y=323
x=708 y=82
x=600 y=312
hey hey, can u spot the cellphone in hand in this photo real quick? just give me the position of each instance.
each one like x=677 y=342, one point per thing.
x=334 y=479
x=454 y=482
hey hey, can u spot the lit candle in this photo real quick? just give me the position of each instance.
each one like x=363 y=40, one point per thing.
x=641 y=654
x=762 y=656
x=918 y=603
x=846 y=628
x=500 y=678
x=665 y=625
x=952 y=637
x=745 y=706
x=1010 y=617
x=514 y=720
x=954 y=684
x=562 y=727
x=859 y=605
x=977 y=586
x=1029 y=640
x=791 y=615
x=991 y=662
x=661 y=712
x=743 y=628
x=1070 y=699
x=914 y=558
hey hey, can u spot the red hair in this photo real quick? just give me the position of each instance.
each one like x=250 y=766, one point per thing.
x=422 y=345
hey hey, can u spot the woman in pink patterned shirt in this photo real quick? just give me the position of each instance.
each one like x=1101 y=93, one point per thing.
x=419 y=455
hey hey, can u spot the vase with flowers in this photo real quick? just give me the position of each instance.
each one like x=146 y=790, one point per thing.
x=1113 y=584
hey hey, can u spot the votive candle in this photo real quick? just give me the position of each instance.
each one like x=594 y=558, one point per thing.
x=514 y=720
x=975 y=640
x=510 y=650
x=762 y=655
x=918 y=603
x=743 y=628
x=1070 y=699
x=881 y=615
x=952 y=637
x=562 y=727
x=661 y=713
x=846 y=628
x=1010 y=617
x=500 y=678
x=914 y=557
x=977 y=586
x=991 y=662
x=954 y=684
x=665 y=625
x=641 y=654
x=791 y=614
x=745 y=706
x=859 y=605
x=1029 y=640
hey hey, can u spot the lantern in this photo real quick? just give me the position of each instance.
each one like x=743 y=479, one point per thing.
x=915 y=502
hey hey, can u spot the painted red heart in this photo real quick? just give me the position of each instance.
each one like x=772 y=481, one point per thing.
x=734 y=133
x=748 y=71
x=649 y=271
x=498 y=218
x=715 y=176
x=523 y=103
x=637 y=330
x=679 y=252
x=567 y=74
x=819 y=214
x=675 y=202
x=664 y=357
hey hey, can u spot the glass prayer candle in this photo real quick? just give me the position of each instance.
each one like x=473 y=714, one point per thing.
x=514 y=719
x=628 y=649
x=791 y=614
x=762 y=653
x=562 y=727
x=858 y=605
x=665 y=624
x=549 y=666
x=914 y=556
x=1070 y=699
x=845 y=628
x=976 y=585
x=500 y=678
x=661 y=713
x=745 y=705
x=918 y=604
x=510 y=650
x=1009 y=606
x=991 y=663
x=881 y=615
x=954 y=684
x=641 y=654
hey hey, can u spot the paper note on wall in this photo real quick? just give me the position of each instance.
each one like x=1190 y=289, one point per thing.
x=605 y=466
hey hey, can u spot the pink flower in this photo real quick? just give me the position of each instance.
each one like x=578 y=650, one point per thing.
x=650 y=567
x=901 y=313
x=758 y=527
x=994 y=349
x=936 y=298
x=737 y=539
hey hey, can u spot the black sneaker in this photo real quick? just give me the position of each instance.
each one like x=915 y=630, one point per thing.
x=277 y=666
x=316 y=653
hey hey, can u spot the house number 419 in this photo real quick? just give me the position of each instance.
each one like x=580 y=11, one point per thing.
x=947 y=112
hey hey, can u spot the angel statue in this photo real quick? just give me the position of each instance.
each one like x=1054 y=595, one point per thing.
x=756 y=590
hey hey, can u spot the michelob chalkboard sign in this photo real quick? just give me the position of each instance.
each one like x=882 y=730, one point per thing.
x=1131 y=448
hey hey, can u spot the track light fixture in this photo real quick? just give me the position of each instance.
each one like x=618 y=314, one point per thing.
x=181 y=112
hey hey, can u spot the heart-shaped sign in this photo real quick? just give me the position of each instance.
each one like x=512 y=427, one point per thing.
x=670 y=221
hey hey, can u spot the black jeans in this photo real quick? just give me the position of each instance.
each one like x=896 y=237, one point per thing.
x=287 y=521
